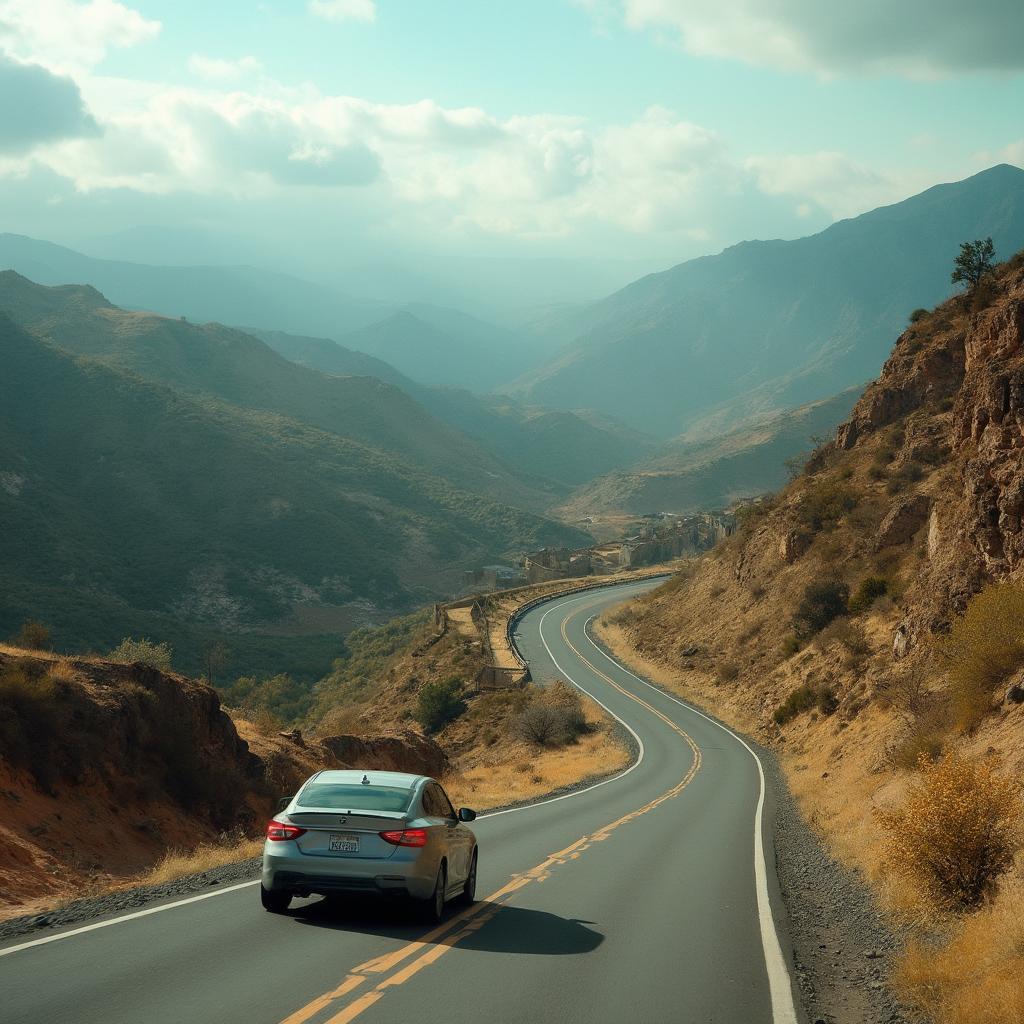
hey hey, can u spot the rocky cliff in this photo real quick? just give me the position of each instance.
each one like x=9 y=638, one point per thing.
x=821 y=626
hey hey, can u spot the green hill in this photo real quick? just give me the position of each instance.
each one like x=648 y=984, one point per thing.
x=130 y=508
x=210 y=359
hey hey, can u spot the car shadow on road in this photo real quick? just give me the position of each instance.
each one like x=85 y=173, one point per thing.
x=506 y=929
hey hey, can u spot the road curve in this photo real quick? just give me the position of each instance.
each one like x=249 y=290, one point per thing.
x=648 y=897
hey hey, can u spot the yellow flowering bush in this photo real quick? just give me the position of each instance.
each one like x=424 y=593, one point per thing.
x=956 y=832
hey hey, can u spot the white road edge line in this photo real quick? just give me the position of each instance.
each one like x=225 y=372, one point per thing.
x=124 y=917
x=6 y=951
x=779 y=981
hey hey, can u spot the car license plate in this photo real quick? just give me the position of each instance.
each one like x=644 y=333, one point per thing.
x=344 y=843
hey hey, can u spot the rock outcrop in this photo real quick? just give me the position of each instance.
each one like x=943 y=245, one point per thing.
x=406 y=752
x=903 y=520
x=955 y=383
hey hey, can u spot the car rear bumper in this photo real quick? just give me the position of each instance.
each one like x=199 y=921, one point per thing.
x=287 y=869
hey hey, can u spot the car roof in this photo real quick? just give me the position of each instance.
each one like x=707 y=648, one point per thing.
x=400 y=780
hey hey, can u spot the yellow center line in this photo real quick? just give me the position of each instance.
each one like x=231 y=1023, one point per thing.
x=446 y=936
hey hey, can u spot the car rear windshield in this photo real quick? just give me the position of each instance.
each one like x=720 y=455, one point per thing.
x=355 y=797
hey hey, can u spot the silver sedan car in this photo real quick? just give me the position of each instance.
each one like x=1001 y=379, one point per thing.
x=370 y=832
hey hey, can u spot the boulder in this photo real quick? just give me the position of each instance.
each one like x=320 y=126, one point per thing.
x=793 y=545
x=902 y=521
x=902 y=641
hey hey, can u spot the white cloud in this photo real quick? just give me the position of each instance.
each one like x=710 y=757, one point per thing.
x=48 y=107
x=65 y=35
x=911 y=37
x=433 y=169
x=236 y=143
x=1013 y=153
x=344 y=10
x=216 y=69
x=836 y=183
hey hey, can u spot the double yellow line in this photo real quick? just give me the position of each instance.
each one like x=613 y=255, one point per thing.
x=388 y=971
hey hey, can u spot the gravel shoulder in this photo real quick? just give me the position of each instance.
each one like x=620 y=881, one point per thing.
x=121 y=901
x=843 y=950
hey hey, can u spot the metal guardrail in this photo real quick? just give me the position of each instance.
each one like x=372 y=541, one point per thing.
x=519 y=612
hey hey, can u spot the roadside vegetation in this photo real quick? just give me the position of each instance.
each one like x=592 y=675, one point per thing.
x=230 y=848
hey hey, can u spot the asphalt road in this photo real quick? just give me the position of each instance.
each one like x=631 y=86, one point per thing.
x=646 y=898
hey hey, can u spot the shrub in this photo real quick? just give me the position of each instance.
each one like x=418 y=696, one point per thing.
x=790 y=646
x=868 y=591
x=802 y=699
x=33 y=635
x=956 y=832
x=540 y=724
x=850 y=636
x=910 y=472
x=553 y=718
x=984 y=646
x=825 y=503
x=823 y=601
x=727 y=671
x=286 y=698
x=143 y=651
x=923 y=739
x=266 y=722
x=826 y=700
x=918 y=314
x=439 y=703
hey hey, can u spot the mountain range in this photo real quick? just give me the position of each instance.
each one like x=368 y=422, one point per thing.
x=688 y=476
x=428 y=343
x=770 y=325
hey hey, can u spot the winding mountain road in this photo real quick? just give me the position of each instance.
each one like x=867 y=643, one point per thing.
x=648 y=897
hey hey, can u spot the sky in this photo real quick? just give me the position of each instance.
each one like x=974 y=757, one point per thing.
x=428 y=133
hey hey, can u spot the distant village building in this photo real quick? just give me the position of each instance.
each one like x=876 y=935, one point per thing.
x=661 y=537
x=496 y=577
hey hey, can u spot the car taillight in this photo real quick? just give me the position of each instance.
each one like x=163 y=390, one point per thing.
x=278 y=831
x=410 y=837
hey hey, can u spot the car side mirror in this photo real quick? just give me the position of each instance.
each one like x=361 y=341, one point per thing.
x=283 y=803
x=465 y=814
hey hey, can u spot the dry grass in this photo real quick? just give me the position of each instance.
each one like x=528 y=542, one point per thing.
x=977 y=976
x=179 y=863
x=507 y=778
x=983 y=648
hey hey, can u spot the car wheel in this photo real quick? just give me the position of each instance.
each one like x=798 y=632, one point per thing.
x=434 y=909
x=275 y=900
x=469 y=889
